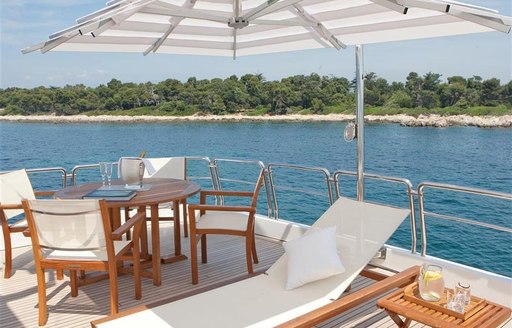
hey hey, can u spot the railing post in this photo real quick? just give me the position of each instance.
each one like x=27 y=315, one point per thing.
x=422 y=222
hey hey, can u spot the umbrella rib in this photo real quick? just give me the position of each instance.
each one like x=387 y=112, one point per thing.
x=269 y=7
x=189 y=13
x=287 y=22
x=97 y=13
x=154 y=47
x=470 y=14
x=320 y=28
x=97 y=27
x=485 y=21
x=175 y=21
x=392 y=4
x=115 y=11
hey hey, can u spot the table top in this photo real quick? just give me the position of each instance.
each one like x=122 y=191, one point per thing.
x=491 y=315
x=161 y=191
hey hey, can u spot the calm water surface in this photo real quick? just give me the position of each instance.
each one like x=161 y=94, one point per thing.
x=464 y=156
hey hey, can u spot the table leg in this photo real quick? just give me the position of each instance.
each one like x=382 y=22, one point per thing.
x=396 y=318
x=155 y=245
x=177 y=236
x=177 y=229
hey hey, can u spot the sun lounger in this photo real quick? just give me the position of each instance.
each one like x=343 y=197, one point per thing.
x=263 y=301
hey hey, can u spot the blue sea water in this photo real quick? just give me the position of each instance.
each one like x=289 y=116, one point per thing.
x=464 y=156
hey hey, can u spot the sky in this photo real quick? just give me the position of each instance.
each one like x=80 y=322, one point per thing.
x=24 y=23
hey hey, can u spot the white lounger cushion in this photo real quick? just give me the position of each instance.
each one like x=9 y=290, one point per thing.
x=263 y=301
x=312 y=257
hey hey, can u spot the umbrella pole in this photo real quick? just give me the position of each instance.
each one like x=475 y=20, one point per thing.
x=360 y=122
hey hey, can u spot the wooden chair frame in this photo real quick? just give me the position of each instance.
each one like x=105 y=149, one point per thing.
x=129 y=252
x=199 y=234
x=8 y=229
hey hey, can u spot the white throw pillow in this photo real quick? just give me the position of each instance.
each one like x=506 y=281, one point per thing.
x=312 y=257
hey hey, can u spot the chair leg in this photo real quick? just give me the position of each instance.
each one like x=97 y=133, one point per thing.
x=204 y=251
x=60 y=274
x=112 y=273
x=41 y=292
x=8 y=254
x=248 y=252
x=136 y=263
x=72 y=282
x=193 y=257
x=254 y=253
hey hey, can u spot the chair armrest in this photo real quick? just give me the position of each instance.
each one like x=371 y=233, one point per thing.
x=11 y=207
x=44 y=193
x=119 y=232
x=204 y=193
x=194 y=207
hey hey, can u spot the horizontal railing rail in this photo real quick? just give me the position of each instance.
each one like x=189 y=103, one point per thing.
x=78 y=168
x=332 y=183
x=409 y=189
x=467 y=190
x=270 y=168
x=62 y=170
x=218 y=179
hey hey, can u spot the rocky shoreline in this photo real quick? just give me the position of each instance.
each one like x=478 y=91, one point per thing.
x=504 y=121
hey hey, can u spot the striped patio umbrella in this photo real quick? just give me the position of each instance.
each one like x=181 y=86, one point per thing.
x=250 y=27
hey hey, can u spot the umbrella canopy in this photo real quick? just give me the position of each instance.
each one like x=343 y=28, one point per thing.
x=249 y=27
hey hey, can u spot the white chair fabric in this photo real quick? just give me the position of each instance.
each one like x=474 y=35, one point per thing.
x=15 y=186
x=165 y=167
x=56 y=229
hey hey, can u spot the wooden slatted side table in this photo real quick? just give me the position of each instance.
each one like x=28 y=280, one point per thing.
x=489 y=315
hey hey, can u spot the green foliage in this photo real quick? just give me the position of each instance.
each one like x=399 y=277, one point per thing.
x=251 y=94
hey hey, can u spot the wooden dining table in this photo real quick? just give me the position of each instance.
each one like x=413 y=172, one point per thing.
x=154 y=193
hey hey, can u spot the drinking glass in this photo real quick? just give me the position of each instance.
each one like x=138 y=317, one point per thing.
x=431 y=282
x=464 y=289
x=455 y=301
x=103 y=171
x=108 y=173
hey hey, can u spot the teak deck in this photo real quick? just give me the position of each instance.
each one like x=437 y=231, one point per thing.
x=18 y=295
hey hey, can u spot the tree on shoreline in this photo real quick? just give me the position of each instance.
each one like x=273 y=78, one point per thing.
x=252 y=94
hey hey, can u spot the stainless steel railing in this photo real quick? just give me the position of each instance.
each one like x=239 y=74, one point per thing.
x=273 y=186
x=439 y=186
x=80 y=168
x=51 y=169
x=63 y=177
x=332 y=189
x=218 y=162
